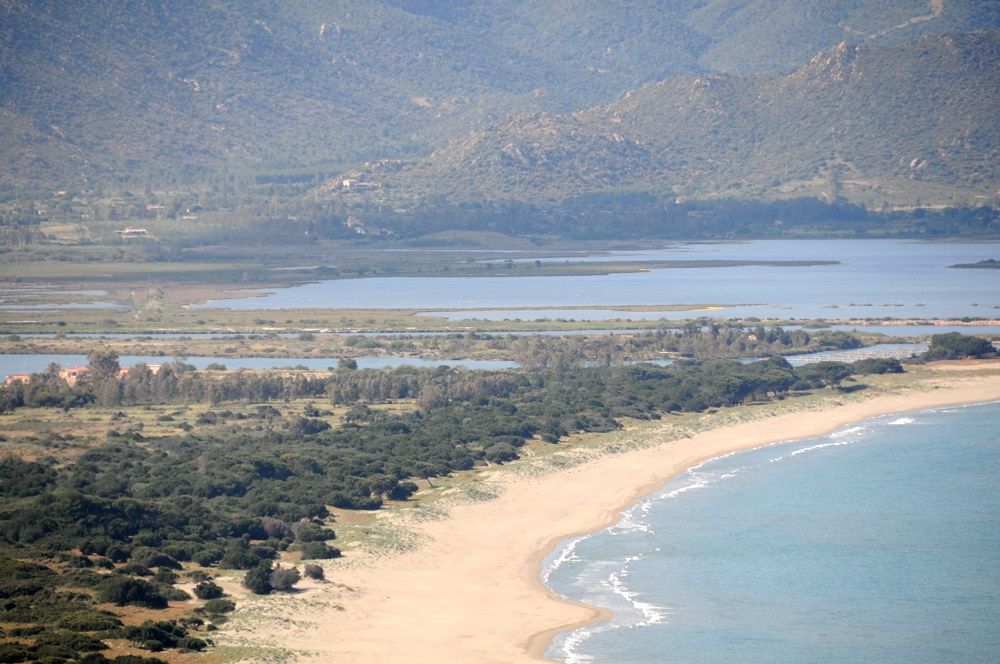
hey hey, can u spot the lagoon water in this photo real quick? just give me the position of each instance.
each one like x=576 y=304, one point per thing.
x=27 y=363
x=878 y=543
x=874 y=278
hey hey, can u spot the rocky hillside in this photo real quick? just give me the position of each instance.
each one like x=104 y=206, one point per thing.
x=868 y=122
x=147 y=92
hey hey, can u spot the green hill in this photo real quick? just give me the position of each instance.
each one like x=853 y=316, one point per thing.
x=868 y=123
x=149 y=92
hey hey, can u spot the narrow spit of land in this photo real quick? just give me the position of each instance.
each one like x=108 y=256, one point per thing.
x=461 y=582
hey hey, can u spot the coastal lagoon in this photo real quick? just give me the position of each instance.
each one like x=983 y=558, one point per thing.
x=28 y=363
x=874 y=278
x=877 y=543
x=35 y=363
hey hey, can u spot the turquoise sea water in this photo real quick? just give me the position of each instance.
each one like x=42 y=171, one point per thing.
x=878 y=543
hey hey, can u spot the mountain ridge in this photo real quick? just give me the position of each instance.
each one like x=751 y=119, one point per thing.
x=145 y=93
x=855 y=122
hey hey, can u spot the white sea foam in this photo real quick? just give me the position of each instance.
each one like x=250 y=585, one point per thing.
x=572 y=643
x=836 y=440
x=817 y=447
x=697 y=483
x=631 y=521
x=851 y=431
x=901 y=421
x=566 y=554
x=649 y=613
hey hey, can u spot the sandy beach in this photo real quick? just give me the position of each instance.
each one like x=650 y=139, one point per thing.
x=469 y=591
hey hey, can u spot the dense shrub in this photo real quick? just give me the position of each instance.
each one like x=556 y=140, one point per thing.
x=207 y=590
x=122 y=590
x=14 y=652
x=956 y=346
x=159 y=559
x=70 y=640
x=191 y=643
x=88 y=621
x=304 y=426
x=500 y=453
x=134 y=569
x=165 y=576
x=208 y=556
x=313 y=571
x=402 y=491
x=117 y=554
x=174 y=594
x=284 y=578
x=258 y=579
x=319 y=551
x=181 y=551
x=219 y=606
x=154 y=634
x=310 y=532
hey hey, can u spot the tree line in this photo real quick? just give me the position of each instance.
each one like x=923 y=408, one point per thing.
x=122 y=517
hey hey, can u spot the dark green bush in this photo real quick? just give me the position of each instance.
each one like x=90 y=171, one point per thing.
x=310 y=532
x=165 y=576
x=191 y=643
x=88 y=621
x=14 y=652
x=956 y=346
x=122 y=590
x=134 y=569
x=258 y=579
x=207 y=590
x=70 y=640
x=319 y=551
x=154 y=634
x=174 y=594
x=117 y=553
x=208 y=556
x=178 y=550
x=159 y=559
x=85 y=578
x=219 y=606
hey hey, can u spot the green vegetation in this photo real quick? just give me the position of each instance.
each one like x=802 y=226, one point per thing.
x=288 y=93
x=58 y=622
x=154 y=502
x=722 y=339
x=806 y=133
x=127 y=516
x=955 y=346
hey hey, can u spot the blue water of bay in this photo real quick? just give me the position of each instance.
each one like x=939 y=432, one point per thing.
x=877 y=543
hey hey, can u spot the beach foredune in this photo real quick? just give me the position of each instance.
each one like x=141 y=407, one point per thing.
x=470 y=590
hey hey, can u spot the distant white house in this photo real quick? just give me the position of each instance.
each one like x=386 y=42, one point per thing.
x=131 y=232
x=350 y=184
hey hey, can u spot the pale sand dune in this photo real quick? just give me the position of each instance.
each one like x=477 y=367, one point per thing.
x=471 y=593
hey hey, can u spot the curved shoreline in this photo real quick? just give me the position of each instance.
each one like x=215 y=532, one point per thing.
x=471 y=589
x=538 y=644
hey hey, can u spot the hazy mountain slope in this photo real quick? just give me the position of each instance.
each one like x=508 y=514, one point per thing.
x=747 y=36
x=857 y=121
x=152 y=90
